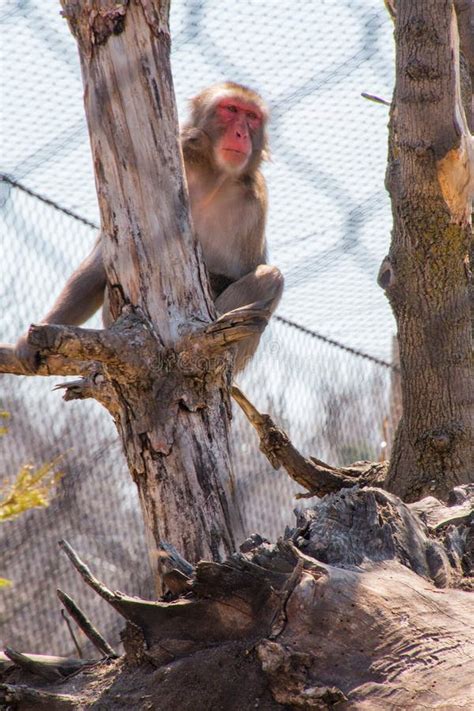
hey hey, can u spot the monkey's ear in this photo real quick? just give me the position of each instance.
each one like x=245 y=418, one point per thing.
x=194 y=137
x=196 y=145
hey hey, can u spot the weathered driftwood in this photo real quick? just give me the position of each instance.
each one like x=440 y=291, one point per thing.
x=46 y=666
x=357 y=608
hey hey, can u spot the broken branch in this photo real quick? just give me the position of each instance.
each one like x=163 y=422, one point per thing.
x=313 y=474
x=86 y=626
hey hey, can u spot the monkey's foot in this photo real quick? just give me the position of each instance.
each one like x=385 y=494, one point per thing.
x=240 y=323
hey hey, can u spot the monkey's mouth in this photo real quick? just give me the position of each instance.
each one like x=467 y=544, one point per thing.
x=231 y=160
x=234 y=155
x=234 y=150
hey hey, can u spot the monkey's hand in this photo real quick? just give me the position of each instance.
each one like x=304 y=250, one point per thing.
x=27 y=354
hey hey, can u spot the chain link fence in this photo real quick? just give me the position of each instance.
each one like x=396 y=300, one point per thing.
x=323 y=369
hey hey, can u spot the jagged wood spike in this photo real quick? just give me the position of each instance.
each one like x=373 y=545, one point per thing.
x=86 y=573
x=176 y=559
x=147 y=615
x=48 y=667
x=197 y=622
x=86 y=626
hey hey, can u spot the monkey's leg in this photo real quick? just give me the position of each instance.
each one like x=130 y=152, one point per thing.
x=265 y=283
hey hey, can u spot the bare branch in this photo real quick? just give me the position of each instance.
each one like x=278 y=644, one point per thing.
x=86 y=626
x=50 y=365
x=84 y=344
x=205 y=348
x=50 y=668
x=314 y=475
x=86 y=573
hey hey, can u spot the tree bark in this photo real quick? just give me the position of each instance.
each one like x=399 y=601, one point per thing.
x=169 y=399
x=426 y=275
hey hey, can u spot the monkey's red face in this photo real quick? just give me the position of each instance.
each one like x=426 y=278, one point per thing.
x=239 y=122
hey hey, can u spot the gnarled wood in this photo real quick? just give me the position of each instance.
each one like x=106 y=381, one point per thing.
x=352 y=611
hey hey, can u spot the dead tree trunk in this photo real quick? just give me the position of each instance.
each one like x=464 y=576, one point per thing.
x=162 y=369
x=426 y=275
x=170 y=407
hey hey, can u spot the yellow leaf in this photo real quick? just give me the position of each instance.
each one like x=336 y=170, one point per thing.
x=31 y=489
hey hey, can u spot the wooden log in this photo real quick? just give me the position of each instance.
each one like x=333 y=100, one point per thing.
x=362 y=606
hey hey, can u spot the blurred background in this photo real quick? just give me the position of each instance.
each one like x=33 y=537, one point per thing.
x=324 y=370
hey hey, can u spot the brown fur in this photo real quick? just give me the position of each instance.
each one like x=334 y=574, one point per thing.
x=229 y=210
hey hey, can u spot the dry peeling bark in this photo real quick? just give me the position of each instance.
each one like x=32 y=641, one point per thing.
x=163 y=368
x=166 y=407
x=426 y=276
x=356 y=608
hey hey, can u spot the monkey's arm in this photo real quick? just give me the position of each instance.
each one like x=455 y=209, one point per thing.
x=81 y=296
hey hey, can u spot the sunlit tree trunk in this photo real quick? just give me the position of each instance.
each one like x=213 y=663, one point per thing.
x=172 y=414
x=427 y=273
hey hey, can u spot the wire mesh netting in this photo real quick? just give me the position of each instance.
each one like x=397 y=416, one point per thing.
x=323 y=368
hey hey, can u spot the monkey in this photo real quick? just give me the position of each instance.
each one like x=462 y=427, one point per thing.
x=224 y=143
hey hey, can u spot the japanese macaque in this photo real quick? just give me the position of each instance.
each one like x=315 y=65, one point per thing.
x=224 y=143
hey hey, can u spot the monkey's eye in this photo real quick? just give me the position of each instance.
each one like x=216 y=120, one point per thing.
x=251 y=115
x=232 y=108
